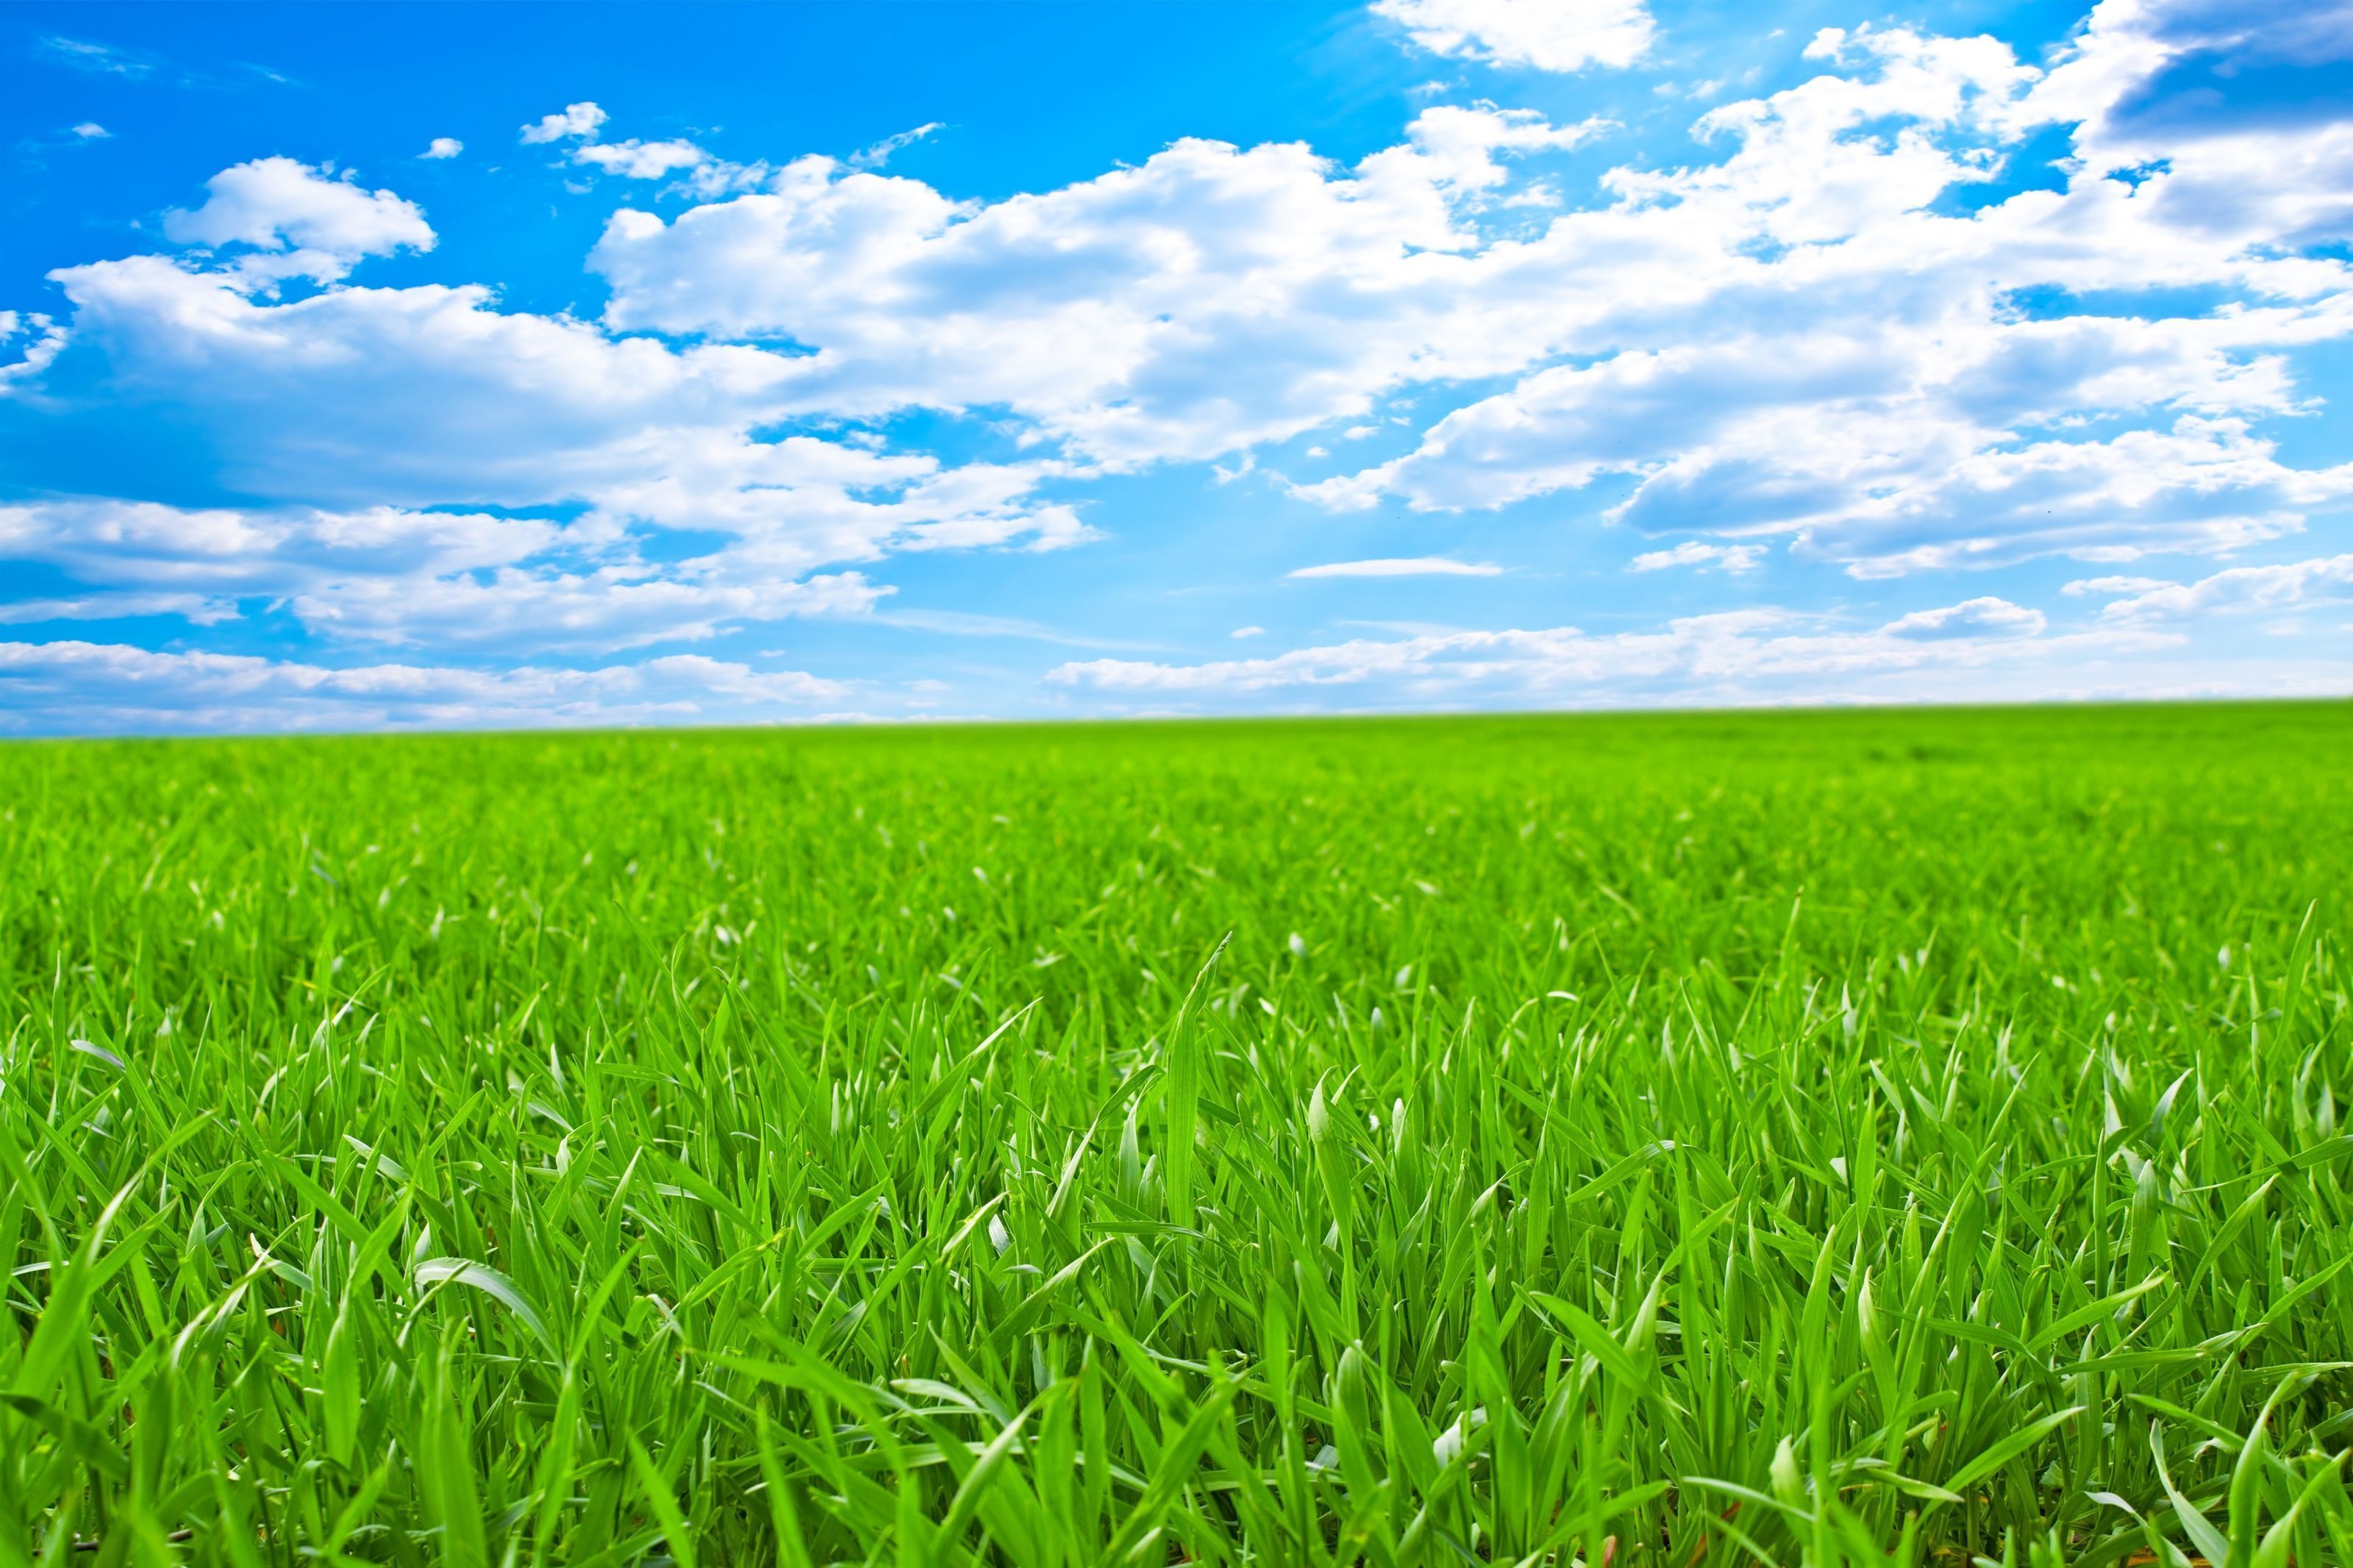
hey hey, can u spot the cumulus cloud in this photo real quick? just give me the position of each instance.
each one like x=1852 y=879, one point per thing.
x=1833 y=358
x=302 y=221
x=2143 y=79
x=1542 y=34
x=634 y=159
x=377 y=423
x=425 y=397
x=415 y=397
x=576 y=121
x=1791 y=338
x=443 y=147
x=1114 y=312
x=1402 y=567
x=91 y=130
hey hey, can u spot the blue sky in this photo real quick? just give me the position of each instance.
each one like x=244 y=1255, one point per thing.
x=436 y=366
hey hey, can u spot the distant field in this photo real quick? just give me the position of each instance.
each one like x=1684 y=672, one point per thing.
x=1838 y=1137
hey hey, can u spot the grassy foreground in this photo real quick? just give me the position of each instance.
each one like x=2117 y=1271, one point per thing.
x=1839 y=1138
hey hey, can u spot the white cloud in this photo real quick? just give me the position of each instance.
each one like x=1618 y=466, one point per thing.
x=1830 y=334
x=1545 y=35
x=388 y=576
x=304 y=223
x=1738 y=656
x=2239 y=590
x=442 y=579
x=879 y=153
x=425 y=397
x=2278 y=159
x=969 y=624
x=2113 y=586
x=44 y=341
x=1406 y=566
x=91 y=130
x=1828 y=357
x=1111 y=313
x=1790 y=339
x=443 y=147
x=363 y=408
x=1985 y=617
x=636 y=160
x=583 y=125
x=103 y=59
x=1879 y=454
x=1732 y=558
x=73 y=685
x=1238 y=633
x=109 y=604
x=577 y=120
x=410 y=396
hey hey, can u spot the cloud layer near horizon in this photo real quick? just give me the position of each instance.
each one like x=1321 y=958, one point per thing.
x=1840 y=333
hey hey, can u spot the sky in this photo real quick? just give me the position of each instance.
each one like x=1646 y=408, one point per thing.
x=388 y=367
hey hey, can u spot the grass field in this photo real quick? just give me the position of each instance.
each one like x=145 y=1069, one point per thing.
x=1847 y=1138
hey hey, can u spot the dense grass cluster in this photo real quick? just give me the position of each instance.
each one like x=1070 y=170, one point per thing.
x=1832 y=1138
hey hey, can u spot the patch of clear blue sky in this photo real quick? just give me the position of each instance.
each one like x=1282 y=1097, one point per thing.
x=1032 y=96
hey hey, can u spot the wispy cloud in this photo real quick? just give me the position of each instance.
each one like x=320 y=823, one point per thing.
x=1402 y=567
x=77 y=686
x=1725 y=654
x=1733 y=558
x=1540 y=35
x=104 y=59
x=875 y=156
x=965 y=623
x=2237 y=590
x=145 y=65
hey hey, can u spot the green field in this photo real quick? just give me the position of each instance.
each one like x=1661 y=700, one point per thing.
x=1828 y=1137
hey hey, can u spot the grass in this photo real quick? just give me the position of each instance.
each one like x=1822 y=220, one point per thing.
x=1840 y=1138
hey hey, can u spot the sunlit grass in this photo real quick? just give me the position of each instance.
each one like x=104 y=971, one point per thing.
x=1848 y=1138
